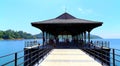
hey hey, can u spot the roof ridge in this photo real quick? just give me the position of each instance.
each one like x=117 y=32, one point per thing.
x=65 y=16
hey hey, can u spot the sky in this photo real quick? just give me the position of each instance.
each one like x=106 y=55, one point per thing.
x=19 y=14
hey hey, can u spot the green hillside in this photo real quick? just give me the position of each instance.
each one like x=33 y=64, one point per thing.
x=10 y=34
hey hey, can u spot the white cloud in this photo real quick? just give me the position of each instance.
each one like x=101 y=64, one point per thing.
x=85 y=11
x=80 y=9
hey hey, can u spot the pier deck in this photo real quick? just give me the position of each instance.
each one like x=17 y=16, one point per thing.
x=68 y=57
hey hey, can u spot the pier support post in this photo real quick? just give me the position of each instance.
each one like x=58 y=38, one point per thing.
x=15 y=59
x=113 y=57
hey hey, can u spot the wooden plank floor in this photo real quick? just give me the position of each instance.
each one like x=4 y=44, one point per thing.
x=68 y=57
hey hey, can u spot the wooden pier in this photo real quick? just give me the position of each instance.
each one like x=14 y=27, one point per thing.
x=68 y=57
x=68 y=27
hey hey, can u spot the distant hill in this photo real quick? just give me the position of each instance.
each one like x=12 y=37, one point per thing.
x=95 y=37
x=92 y=36
x=38 y=35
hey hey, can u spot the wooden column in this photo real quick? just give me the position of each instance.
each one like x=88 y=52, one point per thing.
x=82 y=36
x=85 y=37
x=62 y=37
x=43 y=38
x=88 y=36
x=46 y=38
x=77 y=38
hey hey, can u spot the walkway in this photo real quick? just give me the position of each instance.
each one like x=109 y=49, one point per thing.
x=68 y=57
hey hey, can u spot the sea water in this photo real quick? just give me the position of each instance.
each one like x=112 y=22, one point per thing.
x=11 y=46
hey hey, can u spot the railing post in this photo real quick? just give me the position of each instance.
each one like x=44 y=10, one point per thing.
x=102 y=53
x=15 y=59
x=102 y=44
x=113 y=57
x=30 y=55
x=38 y=56
x=108 y=44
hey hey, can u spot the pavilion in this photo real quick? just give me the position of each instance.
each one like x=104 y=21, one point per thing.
x=67 y=24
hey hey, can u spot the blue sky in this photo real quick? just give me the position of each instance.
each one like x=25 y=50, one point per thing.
x=18 y=14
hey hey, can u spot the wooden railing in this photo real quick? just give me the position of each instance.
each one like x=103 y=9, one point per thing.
x=107 y=56
x=28 y=59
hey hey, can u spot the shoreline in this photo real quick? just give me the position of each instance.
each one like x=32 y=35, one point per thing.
x=19 y=39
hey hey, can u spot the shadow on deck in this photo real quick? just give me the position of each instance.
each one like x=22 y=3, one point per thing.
x=63 y=45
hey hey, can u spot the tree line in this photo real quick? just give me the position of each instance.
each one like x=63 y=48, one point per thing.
x=10 y=34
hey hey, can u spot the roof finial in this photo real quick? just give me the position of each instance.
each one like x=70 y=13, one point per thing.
x=65 y=9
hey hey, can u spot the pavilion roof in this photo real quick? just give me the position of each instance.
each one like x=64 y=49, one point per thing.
x=66 y=18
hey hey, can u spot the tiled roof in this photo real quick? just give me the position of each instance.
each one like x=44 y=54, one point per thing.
x=66 y=18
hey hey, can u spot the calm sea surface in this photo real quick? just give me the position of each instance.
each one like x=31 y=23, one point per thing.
x=10 y=46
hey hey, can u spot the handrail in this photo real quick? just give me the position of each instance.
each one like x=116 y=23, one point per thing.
x=12 y=53
x=112 y=60
x=8 y=62
x=16 y=58
x=98 y=56
x=31 y=43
